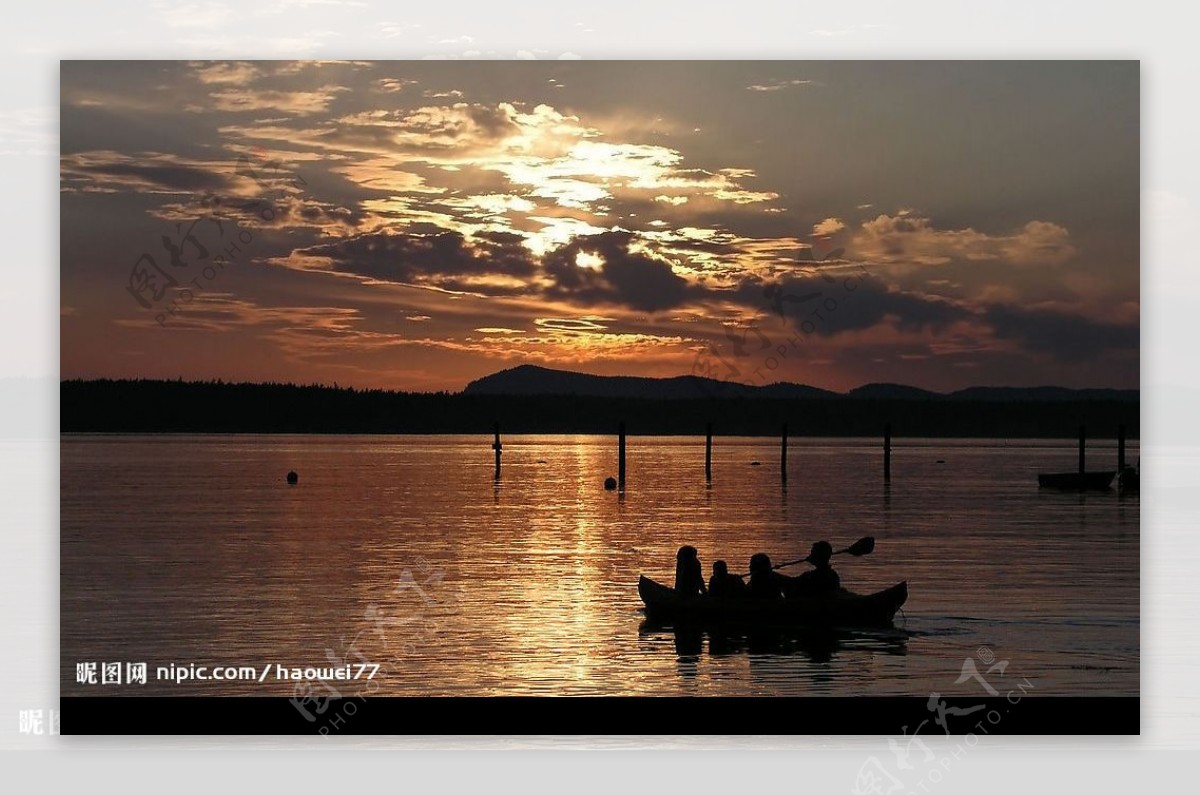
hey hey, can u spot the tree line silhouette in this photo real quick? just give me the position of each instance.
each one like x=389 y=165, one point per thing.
x=160 y=406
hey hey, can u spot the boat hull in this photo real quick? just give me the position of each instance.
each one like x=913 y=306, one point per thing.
x=1077 y=481
x=842 y=609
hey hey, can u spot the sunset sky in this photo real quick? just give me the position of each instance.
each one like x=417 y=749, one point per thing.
x=416 y=225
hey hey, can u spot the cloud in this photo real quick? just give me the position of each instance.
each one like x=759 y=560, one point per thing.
x=299 y=103
x=779 y=85
x=910 y=239
x=830 y=226
x=277 y=212
x=542 y=152
x=238 y=73
x=380 y=174
x=629 y=276
x=105 y=171
x=568 y=324
x=489 y=263
x=1067 y=337
x=824 y=306
x=392 y=85
x=297 y=67
x=829 y=303
x=219 y=311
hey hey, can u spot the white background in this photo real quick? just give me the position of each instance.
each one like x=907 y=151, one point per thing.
x=36 y=36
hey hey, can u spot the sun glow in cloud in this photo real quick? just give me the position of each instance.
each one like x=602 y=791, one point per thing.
x=586 y=259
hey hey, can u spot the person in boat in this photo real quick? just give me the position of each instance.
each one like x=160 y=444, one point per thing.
x=822 y=580
x=689 y=574
x=724 y=584
x=765 y=582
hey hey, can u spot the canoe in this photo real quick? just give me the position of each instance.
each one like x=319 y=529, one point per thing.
x=1077 y=481
x=840 y=609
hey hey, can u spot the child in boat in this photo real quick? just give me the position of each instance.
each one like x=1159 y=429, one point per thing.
x=689 y=575
x=765 y=582
x=822 y=580
x=724 y=584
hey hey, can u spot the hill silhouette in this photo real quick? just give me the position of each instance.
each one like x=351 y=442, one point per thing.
x=531 y=380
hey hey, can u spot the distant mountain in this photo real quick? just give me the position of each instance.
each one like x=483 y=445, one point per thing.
x=1045 y=394
x=530 y=380
x=786 y=391
x=892 y=392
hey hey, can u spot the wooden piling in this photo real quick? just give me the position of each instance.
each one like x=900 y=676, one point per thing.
x=708 y=454
x=621 y=457
x=1082 y=446
x=497 y=447
x=887 y=453
x=1120 y=449
x=783 y=455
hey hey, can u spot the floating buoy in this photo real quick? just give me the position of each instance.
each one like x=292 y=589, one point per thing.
x=293 y=478
x=610 y=484
x=755 y=463
x=941 y=460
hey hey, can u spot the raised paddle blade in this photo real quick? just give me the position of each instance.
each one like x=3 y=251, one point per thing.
x=863 y=546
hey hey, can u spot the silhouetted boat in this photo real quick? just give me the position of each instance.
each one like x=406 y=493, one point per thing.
x=1077 y=481
x=1130 y=479
x=842 y=609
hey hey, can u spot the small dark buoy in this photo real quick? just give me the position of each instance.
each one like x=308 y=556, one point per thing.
x=755 y=463
x=292 y=478
x=610 y=484
x=941 y=460
x=541 y=460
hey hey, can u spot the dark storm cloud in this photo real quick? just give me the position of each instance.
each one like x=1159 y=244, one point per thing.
x=846 y=300
x=1068 y=338
x=630 y=278
x=149 y=172
x=422 y=258
x=837 y=303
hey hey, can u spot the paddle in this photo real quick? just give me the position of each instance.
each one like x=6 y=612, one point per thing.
x=863 y=546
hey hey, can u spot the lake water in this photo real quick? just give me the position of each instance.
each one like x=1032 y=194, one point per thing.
x=404 y=552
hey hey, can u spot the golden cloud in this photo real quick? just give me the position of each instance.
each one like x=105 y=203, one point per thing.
x=910 y=239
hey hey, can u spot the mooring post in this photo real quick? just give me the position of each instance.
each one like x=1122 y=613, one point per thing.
x=783 y=455
x=496 y=446
x=1082 y=445
x=708 y=454
x=1120 y=449
x=887 y=453
x=621 y=457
